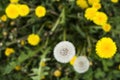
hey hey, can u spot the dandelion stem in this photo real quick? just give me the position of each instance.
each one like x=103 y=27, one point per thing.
x=58 y=78
x=33 y=29
x=89 y=45
x=64 y=34
x=58 y=21
x=44 y=53
x=83 y=50
x=56 y=24
x=40 y=29
x=42 y=59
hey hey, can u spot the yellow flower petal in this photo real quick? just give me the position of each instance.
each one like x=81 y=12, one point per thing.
x=73 y=60
x=14 y=1
x=12 y=11
x=114 y=1
x=33 y=39
x=82 y=3
x=4 y=18
x=9 y=51
x=23 y=10
x=88 y=13
x=100 y=18
x=106 y=27
x=106 y=48
x=57 y=73
x=17 y=68
x=96 y=5
x=40 y=11
x=91 y=2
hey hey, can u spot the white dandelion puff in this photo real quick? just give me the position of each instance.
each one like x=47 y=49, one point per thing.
x=81 y=64
x=64 y=51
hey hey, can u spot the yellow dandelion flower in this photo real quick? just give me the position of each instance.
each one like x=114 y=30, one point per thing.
x=5 y=33
x=33 y=39
x=73 y=60
x=57 y=73
x=119 y=66
x=106 y=48
x=91 y=63
x=17 y=68
x=88 y=13
x=12 y=11
x=91 y=2
x=96 y=5
x=100 y=18
x=12 y=23
x=3 y=18
x=42 y=63
x=82 y=3
x=9 y=51
x=14 y=1
x=22 y=42
x=114 y=1
x=23 y=10
x=40 y=11
x=43 y=78
x=57 y=0
x=106 y=27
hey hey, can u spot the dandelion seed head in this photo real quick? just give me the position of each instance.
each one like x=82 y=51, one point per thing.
x=64 y=51
x=81 y=64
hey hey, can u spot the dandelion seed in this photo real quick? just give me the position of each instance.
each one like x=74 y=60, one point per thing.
x=81 y=64
x=64 y=51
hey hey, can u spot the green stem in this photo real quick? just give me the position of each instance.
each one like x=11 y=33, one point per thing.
x=56 y=24
x=89 y=45
x=44 y=53
x=58 y=78
x=33 y=29
x=64 y=34
x=83 y=50
x=15 y=41
x=20 y=60
x=40 y=29
x=58 y=21
x=42 y=59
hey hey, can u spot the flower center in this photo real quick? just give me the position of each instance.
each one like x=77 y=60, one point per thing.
x=64 y=51
x=106 y=48
x=81 y=64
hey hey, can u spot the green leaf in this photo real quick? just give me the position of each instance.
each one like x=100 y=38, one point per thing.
x=22 y=57
x=99 y=74
x=10 y=67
